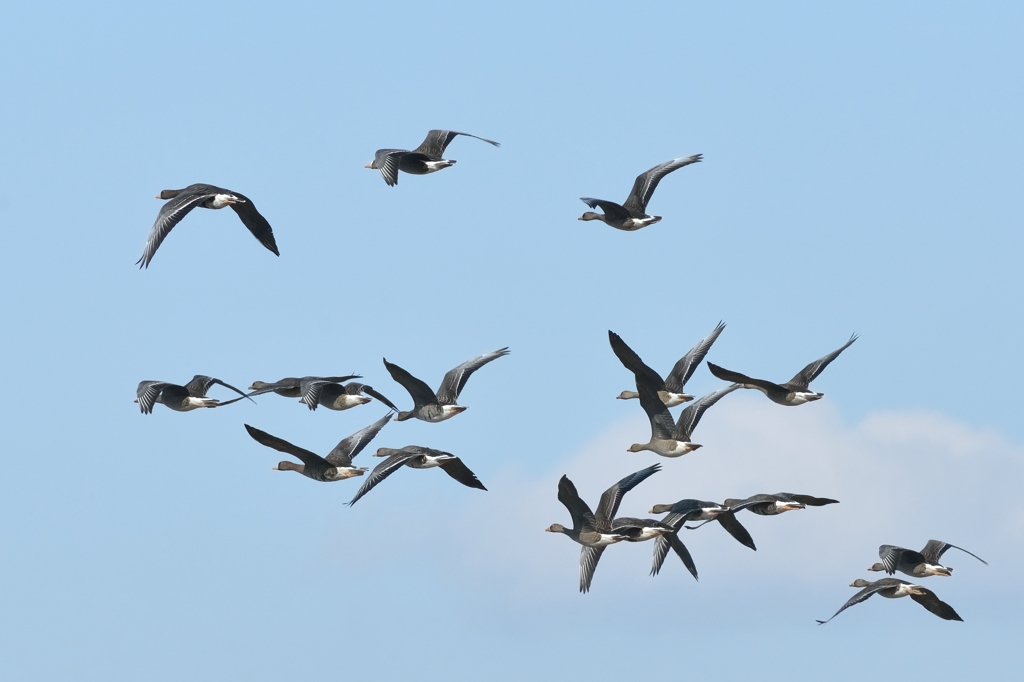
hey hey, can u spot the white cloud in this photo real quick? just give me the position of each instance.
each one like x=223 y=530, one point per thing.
x=901 y=478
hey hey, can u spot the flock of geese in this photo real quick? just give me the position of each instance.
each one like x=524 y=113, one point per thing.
x=594 y=530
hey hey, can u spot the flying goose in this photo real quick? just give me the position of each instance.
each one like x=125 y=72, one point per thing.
x=185 y=398
x=595 y=530
x=796 y=391
x=893 y=588
x=632 y=214
x=336 y=466
x=418 y=458
x=668 y=439
x=291 y=387
x=693 y=510
x=917 y=564
x=424 y=159
x=334 y=396
x=670 y=390
x=431 y=407
x=181 y=201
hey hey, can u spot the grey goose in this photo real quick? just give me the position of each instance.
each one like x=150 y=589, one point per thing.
x=693 y=510
x=191 y=396
x=435 y=407
x=893 y=588
x=671 y=388
x=917 y=564
x=181 y=201
x=632 y=214
x=291 y=387
x=427 y=158
x=765 y=505
x=417 y=457
x=796 y=391
x=594 y=529
x=337 y=465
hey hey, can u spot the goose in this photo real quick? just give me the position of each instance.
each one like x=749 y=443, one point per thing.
x=291 y=387
x=670 y=389
x=595 y=530
x=334 y=396
x=338 y=463
x=796 y=391
x=431 y=407
x=893 y=588
x=417 y=457
x=420 y=161
x=917 y=564
x=632 y=214
x=185 y=398
x=181 y=201
x=668 y=439
x=693 y=510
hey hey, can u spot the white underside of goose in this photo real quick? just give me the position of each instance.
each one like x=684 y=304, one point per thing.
x=195 y=403
x=344 y=402
x=434 y=166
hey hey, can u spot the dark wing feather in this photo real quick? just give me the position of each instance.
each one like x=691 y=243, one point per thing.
x=147 y=393
x=662 y=426
x=610 y=208
x=457 y=469
x=170 y=215
x=386 y=161
x=631 y=361
x=690 y=417
x=345 y=451
x=589 y=556
x=934 y=550
x=263 y=438
x=737 y=378
x=437 y=141
x=811 y=501
x=456 y=379
x=418 y=389
x=312 y=389
x=611 y=498
x=684 y=554
x=256 y=223
x=382 y=471
x=200 y=385
x=940 y=608
x=859 y=597
x=647 y=182
x=370 y=391
x=804 y=377
x=685 y=367
x=581 y=515
x=891 y=555
x=731 y=524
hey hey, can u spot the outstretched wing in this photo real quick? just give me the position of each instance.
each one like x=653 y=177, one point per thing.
x=737 y=378
x=382 y=471
x=386 y=161
x=456 y=379
x=927 y=599
x=147 y=393
x=581 y=515
x=731 y=524
x=685 y=367
x=355 y=389
x=418 y=389
x=170 y=215
x=891 y=555
x=611 y=498
x=438 y=140
x=804 y=377
x=662 y=426
x=589 y=556
x=345 y=451
x=200 y=385
x=934 y=550
x=861 y=596
x=811 y=501
x=647 y=182
x=690 y=417
x=263 y=438
x=257 y=224
x=631 y=361
x=457 y=469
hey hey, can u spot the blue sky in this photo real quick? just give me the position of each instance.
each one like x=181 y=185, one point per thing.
x=861 y=166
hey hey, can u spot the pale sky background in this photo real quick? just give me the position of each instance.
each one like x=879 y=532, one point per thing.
x=862 y=173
